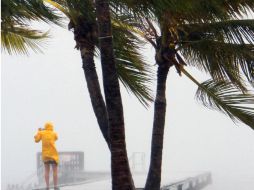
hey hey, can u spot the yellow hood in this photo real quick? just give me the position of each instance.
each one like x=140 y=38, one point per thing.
x=49 y=126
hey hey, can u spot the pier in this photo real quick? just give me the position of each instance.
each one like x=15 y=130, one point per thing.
x=73 y=176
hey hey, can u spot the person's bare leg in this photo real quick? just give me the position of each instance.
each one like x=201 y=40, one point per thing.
x=47 y=170
x=55 y=179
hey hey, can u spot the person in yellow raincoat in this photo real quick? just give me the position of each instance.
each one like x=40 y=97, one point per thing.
x=49 y=153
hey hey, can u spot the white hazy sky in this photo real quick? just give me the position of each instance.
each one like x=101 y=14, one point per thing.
x=52 y=87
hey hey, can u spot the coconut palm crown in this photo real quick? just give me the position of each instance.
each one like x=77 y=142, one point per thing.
x=211 y=36
x=18 y=36
x=131 y=66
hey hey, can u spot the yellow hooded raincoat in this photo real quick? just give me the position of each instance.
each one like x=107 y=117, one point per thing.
x=48 y=138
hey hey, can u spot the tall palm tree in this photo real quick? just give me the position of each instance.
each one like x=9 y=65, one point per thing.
x=210 y=37
x=17 y=35
x=186 y=37
x=120 y=170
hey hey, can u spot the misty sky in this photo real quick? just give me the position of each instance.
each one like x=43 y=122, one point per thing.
x=52 y=87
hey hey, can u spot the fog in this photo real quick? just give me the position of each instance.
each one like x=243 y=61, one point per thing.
x=52 y=87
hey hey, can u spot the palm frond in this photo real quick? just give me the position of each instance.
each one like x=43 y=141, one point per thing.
x=136 y=8
x=20 y=11
x=220 y=9
x=223 y=61
x=17 y=34
x=133 y=72
x=19 y=40
x=58 y=6
x=224 y=97
x=183 y=11
x=230 y=31
x=135 y=81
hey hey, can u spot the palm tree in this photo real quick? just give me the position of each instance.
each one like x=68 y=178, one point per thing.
x=17 y=36
x=120 y=170
x=210 y=37
x=193 y=40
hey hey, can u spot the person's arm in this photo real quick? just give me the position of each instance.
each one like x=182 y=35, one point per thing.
x=37 y=137
x=56 y=136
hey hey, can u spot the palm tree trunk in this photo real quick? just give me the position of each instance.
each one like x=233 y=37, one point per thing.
x=154 y=175
x=98 y=104
x=120 y=170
